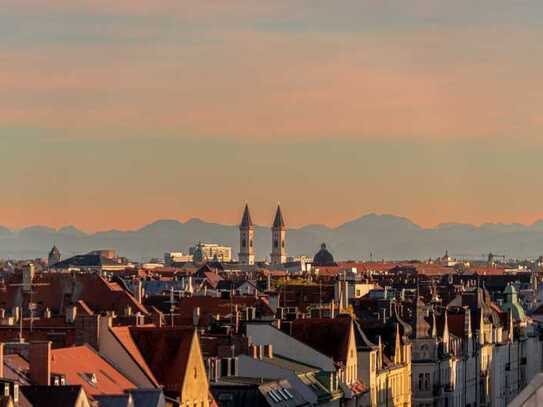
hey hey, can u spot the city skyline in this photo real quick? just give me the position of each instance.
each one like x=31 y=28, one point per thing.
x=117 y=114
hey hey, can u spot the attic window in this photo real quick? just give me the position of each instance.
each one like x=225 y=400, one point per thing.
x=90 y=378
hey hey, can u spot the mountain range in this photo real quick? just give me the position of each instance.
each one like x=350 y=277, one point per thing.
x=384 y=236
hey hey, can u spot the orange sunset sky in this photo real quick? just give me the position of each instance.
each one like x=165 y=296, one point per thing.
x=116 y=113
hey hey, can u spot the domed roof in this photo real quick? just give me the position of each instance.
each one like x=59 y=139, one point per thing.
x=511 y=303
x=323 y=257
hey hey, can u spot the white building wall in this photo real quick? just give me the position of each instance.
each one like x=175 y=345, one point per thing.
x=287 y=346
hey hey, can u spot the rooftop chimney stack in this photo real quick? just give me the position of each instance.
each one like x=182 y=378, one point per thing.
x=1 y=360
x=40 y=362
x=196 y=316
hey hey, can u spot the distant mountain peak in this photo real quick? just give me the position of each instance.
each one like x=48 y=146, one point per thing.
x=71 y=230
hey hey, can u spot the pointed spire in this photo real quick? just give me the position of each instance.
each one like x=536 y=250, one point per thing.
x=467 y=323
x=510 y=332
x=481 y=327
x=278 y=222
x=397 y=346
x=246 y=221
x=434 y=324
x=379 y=352
x=445 y=337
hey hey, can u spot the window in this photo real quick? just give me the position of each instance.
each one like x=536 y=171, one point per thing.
x=427 y=381
x=283 y=244
x=421 y=378
x=195 y=373
x=251 y=243
x=275 y=243
x=243 y=243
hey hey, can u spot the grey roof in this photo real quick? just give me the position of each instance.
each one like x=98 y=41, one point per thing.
x=148 y=397
x=117 y=400
x=323 y=257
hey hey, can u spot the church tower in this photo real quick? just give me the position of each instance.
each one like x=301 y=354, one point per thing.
x=54 y=257
x=279 y=232
x=246 y=239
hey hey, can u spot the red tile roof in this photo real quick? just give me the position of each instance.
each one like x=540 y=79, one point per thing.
x=77 y=361
x=77 y=364
x=57 y=290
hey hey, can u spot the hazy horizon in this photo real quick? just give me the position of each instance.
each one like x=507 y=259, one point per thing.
x=264 y=225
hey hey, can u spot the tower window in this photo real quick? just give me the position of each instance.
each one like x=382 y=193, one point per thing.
x=283 y=244
x=251 y=243
x=243 y=243
x=275 y=243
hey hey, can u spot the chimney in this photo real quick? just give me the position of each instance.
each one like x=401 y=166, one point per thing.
x=140 y=319
x=71 y=313
x=1 y=360
x=196 y=316
x=157 y=318
x=236 y=319
x=28 y=276
x=16 y=313
x=277 y=324
x=253 y=351
x=40 y=362
x=268 y=351
x=139 y=290
x=87 y=330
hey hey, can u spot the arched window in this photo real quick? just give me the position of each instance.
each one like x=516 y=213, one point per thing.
x=251 y=243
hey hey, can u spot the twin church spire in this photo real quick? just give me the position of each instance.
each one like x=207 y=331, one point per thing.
x=247 y=235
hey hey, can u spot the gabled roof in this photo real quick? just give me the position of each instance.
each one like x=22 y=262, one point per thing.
x=166 y=352
x=329 y=336
x=246 y=221
x=123 y=335
x=278 y=221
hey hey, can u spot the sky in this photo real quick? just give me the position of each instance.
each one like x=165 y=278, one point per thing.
x=114 y=114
